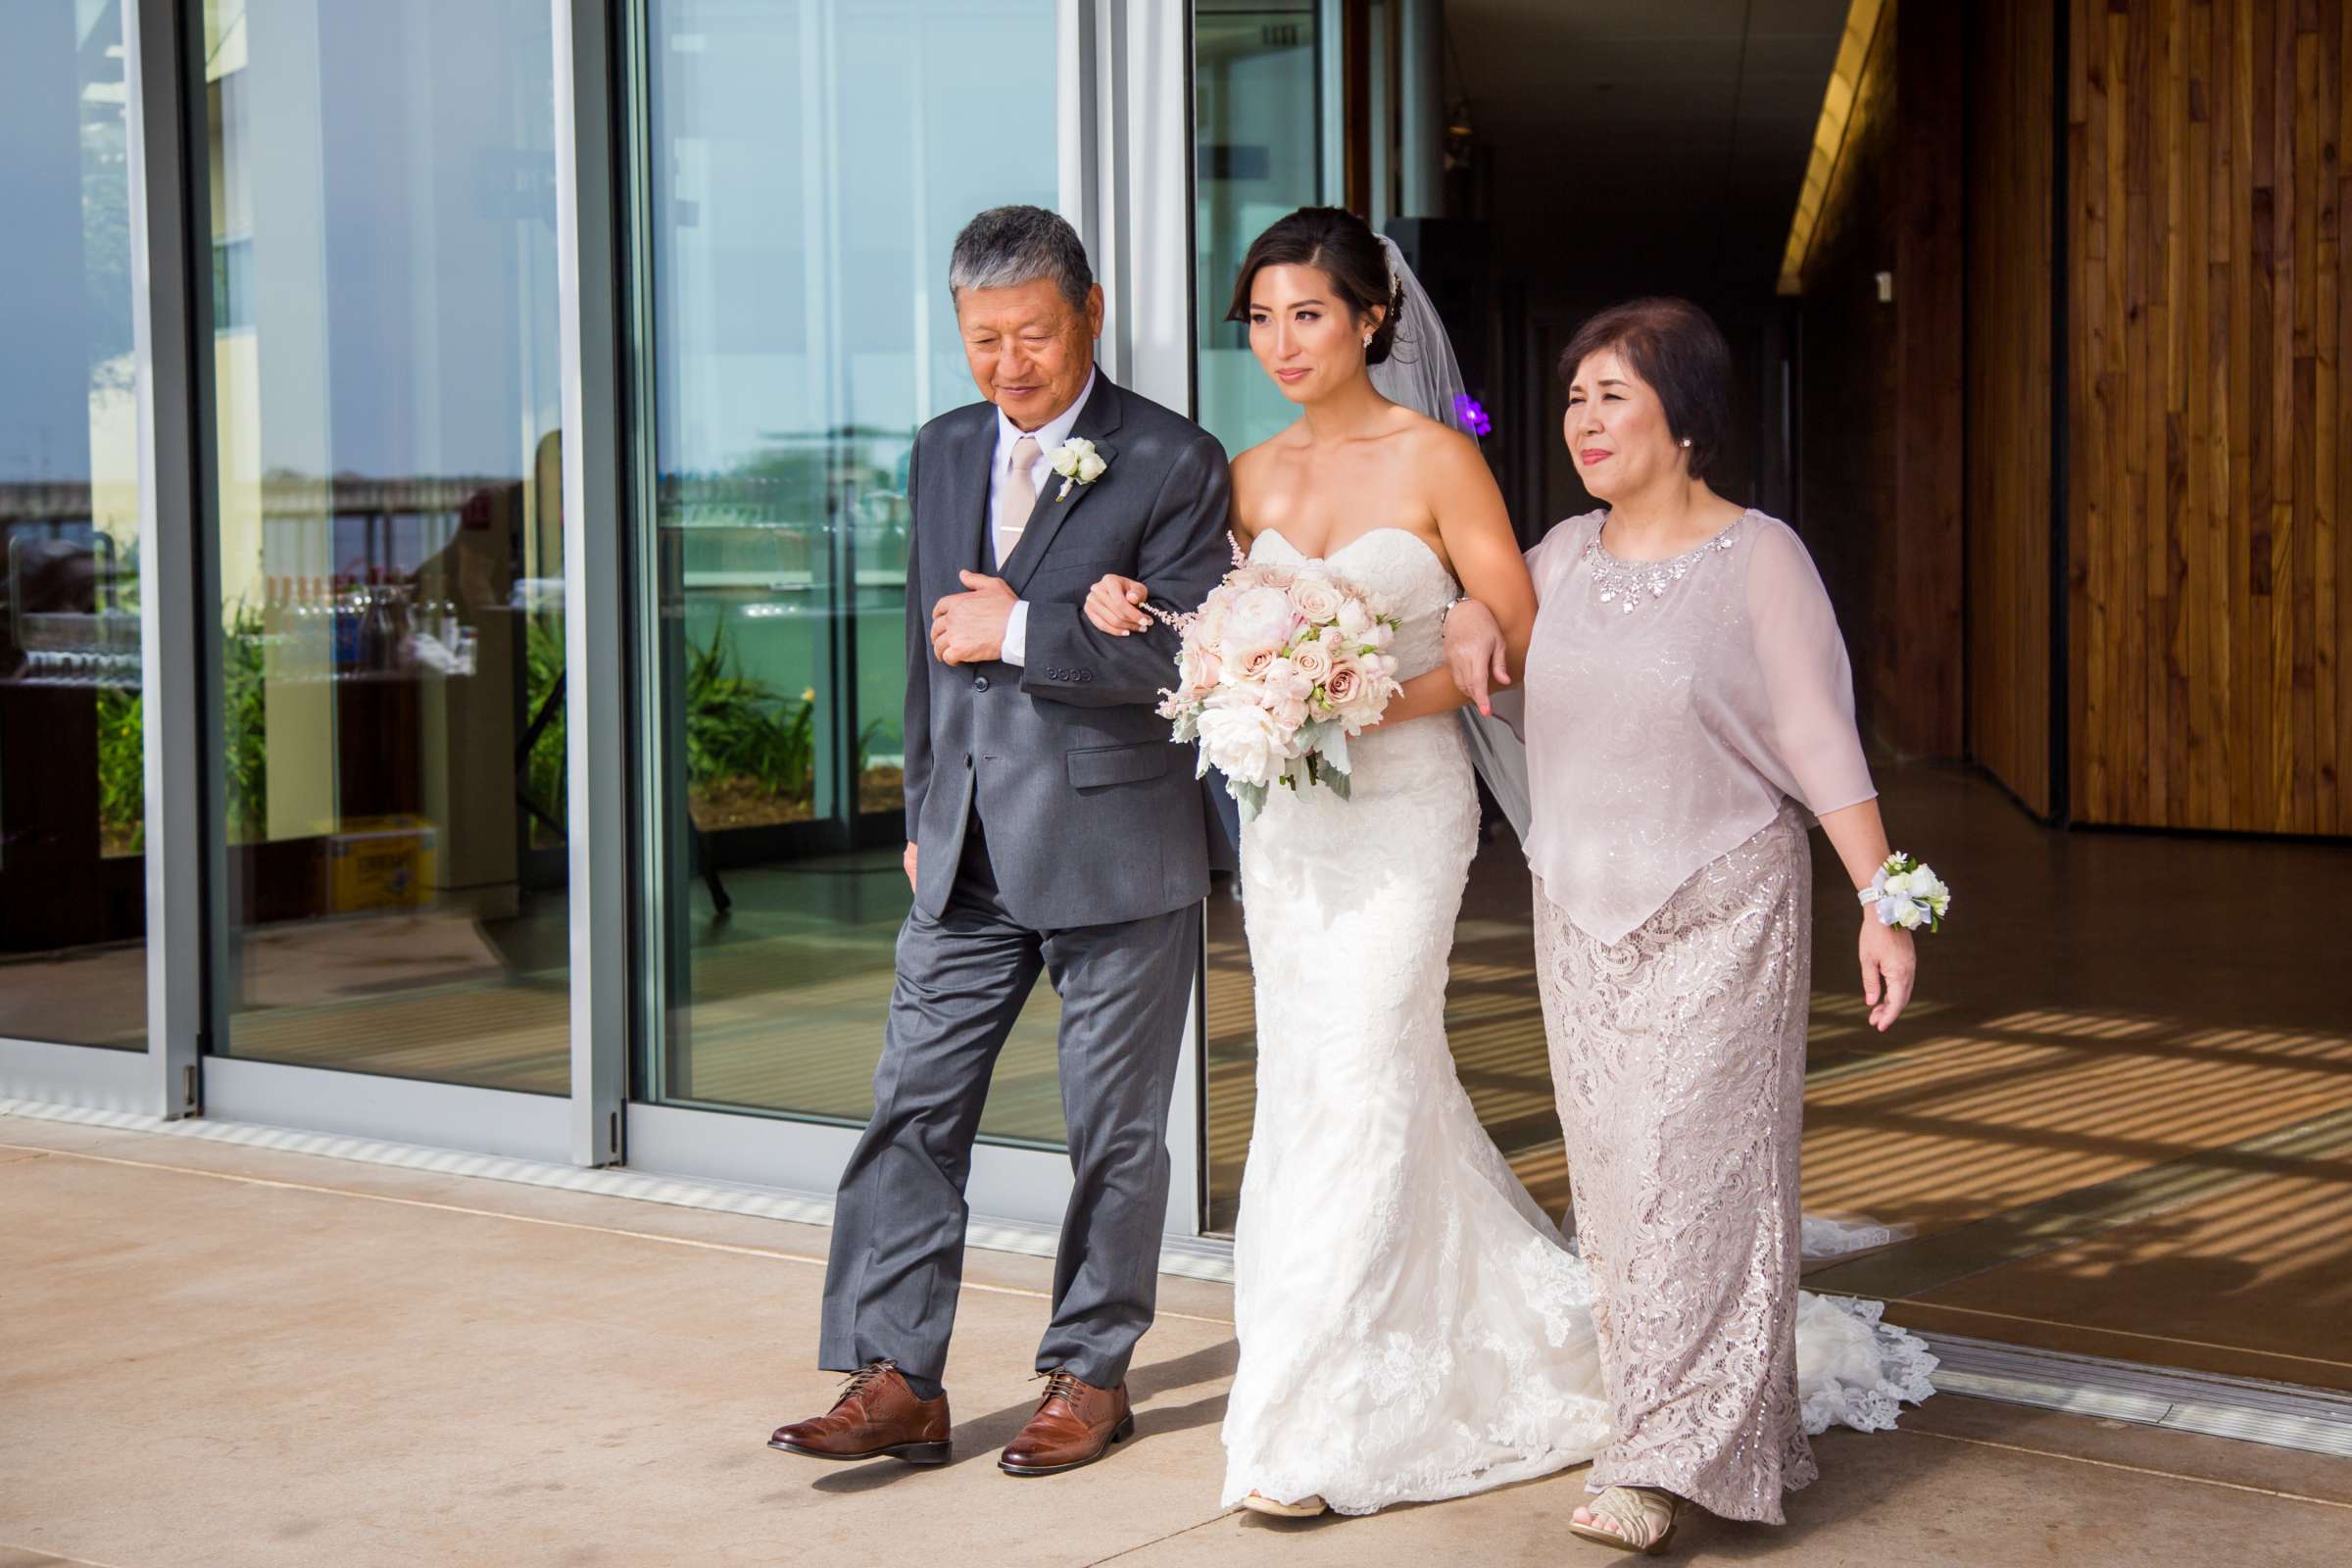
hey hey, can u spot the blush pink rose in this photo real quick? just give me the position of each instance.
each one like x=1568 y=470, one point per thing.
x=1315 y=598
x=1312 y=661
x=1344 y=685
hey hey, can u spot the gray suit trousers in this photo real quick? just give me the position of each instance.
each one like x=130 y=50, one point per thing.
x=899 y=1221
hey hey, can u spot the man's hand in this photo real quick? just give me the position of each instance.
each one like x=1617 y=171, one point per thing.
x=1475 y=653
x=908 y=860
x=969 y=628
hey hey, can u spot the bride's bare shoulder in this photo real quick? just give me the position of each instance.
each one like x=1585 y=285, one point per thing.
x=1426 y=438
x=1266 y=481
x=1438 y=456
x=1263 y=464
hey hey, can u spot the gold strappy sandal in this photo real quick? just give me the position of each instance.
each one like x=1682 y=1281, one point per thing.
x=1633 y=1518
x=1304 y=1509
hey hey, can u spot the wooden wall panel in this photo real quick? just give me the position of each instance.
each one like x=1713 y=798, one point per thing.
x=2009 y=115
x=2210 y=453
x=1849 y=391
x=1881 y=473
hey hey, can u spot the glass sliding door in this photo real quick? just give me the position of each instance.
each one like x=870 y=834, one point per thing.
x=805 y=164
x=72 y=783
x=388 y=537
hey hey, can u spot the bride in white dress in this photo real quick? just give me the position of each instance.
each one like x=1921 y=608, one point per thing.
x=1412 y=1327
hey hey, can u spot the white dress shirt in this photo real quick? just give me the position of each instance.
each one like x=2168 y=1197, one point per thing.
x=1047 y=436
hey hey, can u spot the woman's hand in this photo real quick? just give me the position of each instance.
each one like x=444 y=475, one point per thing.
x=1890 y=965
x=1476 y=652
x=1115 y=605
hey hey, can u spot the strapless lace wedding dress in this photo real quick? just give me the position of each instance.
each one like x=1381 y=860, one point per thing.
x=1412 y=1327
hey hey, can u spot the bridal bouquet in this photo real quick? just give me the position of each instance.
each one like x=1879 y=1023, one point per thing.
x=1278 y=667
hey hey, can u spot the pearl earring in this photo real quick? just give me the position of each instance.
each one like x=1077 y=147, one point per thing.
x=1686 y=440
x=1367 y=340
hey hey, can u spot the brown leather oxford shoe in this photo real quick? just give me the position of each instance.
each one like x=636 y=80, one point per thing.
x=877 y=1418
x=1075 y=1424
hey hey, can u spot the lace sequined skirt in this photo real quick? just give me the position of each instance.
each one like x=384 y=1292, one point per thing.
x=1678 y=1062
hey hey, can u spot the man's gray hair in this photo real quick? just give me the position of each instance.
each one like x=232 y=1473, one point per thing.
x=1005 y=247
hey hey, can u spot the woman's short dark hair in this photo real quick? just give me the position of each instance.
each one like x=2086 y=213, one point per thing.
x=1678 y=348
x=1343 y=247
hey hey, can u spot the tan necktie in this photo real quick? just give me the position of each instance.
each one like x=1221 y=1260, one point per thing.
x=1016 y=498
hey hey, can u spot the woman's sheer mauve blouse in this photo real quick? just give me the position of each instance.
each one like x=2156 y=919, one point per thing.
x=1671 y=707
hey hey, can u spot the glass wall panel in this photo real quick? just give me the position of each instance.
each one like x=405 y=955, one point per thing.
x=1254 y=91
x=389 y=536
x=808 y=165
x=1255 y=103
x=72 y=769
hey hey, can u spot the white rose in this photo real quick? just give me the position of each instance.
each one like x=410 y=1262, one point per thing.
x=1246 y=742
x=1286 y=682
x=1354 y=618
x=1311 y=660
x=1090 y=468
x=1912 y=917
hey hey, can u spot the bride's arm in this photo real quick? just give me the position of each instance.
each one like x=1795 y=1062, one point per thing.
x=1487 y=561
x=1474 y=643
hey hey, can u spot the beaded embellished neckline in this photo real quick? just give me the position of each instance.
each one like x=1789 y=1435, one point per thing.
x=1630 y=584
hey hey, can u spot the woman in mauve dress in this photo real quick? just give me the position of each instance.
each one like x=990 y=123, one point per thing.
x=1689 y=707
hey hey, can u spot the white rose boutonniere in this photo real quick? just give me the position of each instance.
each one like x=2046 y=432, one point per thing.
x=1077 y=461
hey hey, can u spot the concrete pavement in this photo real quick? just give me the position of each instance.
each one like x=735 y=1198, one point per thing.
x=221 y=1355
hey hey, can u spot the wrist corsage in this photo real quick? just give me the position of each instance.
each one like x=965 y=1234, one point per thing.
x=1908 y=894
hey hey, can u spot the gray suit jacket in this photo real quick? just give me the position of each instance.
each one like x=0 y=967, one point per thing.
x=1092 y=814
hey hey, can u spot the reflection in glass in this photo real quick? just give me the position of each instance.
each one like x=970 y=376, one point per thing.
x=73 y=760
x=808 y=167
x=1254 y=84
x=1256 y=158
x=386 y=398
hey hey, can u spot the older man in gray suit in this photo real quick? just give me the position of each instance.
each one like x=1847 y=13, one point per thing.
x=1050 y=824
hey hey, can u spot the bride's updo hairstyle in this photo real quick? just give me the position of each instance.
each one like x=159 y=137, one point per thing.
x=1339 y=245
x=1678 y=348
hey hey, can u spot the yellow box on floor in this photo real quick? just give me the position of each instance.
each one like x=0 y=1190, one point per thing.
x=379 y=863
